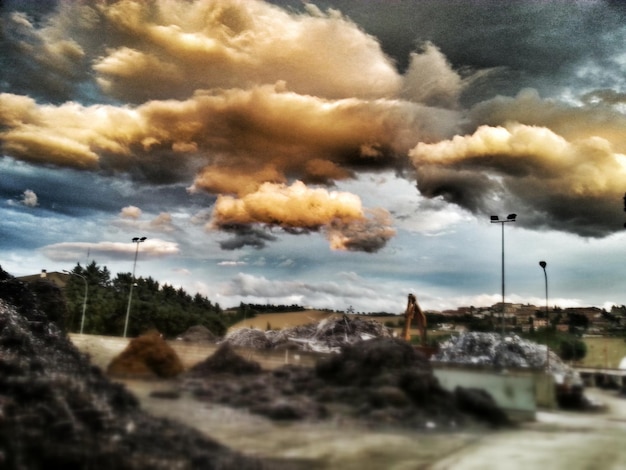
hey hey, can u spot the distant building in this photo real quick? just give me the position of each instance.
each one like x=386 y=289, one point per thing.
x=55 y=277
x=590 y=312
x=525 y=313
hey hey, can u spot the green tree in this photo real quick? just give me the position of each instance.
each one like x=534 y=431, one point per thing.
x=572 y=349
x=165 y=308
x=577 y=320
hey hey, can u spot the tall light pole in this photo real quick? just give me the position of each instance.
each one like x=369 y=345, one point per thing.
x=543 y=265
x=496 y=220
x=82 y=321
x=137 y=241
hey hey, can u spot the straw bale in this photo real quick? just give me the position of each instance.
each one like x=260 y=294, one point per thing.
x=146 y=355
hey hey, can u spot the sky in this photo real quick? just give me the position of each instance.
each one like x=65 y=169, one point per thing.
x=331 y=154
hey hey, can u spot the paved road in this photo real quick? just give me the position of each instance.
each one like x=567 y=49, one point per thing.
x=556 y=440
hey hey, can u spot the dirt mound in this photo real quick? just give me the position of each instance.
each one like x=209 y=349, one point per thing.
x=225 y=360
x=146 y=356
x=381 y=382
x=327 y=335
x=361 y=363
x=58 y=411
x=198 y=334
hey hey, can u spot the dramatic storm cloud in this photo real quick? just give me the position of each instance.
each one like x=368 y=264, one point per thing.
x=298 y=207
x=235 y=91
x=526 y=165
x=235 y=126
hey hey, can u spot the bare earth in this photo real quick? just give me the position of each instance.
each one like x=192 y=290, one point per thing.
x=556 y=440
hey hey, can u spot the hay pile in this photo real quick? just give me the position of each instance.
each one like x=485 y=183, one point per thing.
x=146 y=356
x=327 y=335
x=59 y=411
x=383 y=382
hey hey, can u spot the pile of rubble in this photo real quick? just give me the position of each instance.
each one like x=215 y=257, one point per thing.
x=382 y=382
x=59 y=411
x=510 y=351
x=197 y=334
x=494 y=349
x=328 y=335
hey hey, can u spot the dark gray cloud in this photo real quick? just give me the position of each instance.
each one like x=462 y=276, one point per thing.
x=525 y=43
x=80 y=194
x=35 y=60
x=245 y=236
x=66 y=192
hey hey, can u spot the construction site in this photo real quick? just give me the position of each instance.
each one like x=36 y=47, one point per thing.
x=341 y=392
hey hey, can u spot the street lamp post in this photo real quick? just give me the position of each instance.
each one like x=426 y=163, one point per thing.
x=496 y=220
x=543 y=265
x=137 y=241
x=82 y=320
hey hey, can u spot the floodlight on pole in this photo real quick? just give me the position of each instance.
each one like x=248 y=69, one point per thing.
x=137 y=241
x=543 y=265
x=82 y=320
x=496 y=220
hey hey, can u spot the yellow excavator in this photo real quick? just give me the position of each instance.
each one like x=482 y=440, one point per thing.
x=413 y=311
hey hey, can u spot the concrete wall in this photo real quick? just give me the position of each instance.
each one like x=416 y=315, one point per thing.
x=517 y=392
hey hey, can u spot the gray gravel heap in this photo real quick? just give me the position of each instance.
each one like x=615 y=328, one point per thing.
x=510 y=351
x=328 y=335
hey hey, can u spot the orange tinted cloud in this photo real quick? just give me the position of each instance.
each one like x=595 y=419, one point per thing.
x=569 y=183
x=289 y=206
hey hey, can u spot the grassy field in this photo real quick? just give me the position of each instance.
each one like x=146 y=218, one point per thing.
x=604 y=352
x=266 y=321
x=289 y=319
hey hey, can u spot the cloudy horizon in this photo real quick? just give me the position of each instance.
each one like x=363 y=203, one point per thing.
x=332 y=154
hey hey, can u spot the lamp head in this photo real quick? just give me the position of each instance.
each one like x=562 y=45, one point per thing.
x=543 y=264
x=511 y=217
x=494 y=218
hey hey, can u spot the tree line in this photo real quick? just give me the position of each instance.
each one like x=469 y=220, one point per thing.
x=170 y=310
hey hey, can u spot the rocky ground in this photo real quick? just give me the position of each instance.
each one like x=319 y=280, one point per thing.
x=372 y=405
x=58 y=411
x=326 y=336
x=382 y=382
